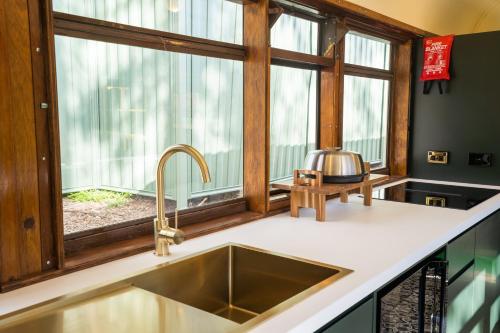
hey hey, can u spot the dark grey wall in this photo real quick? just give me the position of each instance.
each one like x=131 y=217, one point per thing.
x=464 y=119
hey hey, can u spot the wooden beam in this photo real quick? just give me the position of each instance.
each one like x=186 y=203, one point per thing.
x=55 y=156
x=297 y=59
x=256 y=105
x=370 y=72
x=275 y=12
x=400 y=111
x=39 y=30
x=19 y=202
x=352 y=8
x=328 y=113
x=378 y=21
x=105 y=31
x=339 y=91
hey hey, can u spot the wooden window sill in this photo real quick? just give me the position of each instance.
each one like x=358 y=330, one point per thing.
x=121 y=249
x=122 y=233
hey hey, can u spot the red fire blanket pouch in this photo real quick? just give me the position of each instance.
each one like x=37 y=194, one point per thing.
x=437 y=52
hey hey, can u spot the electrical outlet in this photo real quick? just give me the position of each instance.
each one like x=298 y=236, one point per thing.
x=437 y=157
x=480 y=159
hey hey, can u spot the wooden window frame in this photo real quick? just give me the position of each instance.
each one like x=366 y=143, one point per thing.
x=348 y=17
x=371 y=73
x=77 y=242
x=75 y=249
x=294 y=59
x=279 y=199
x=106 y=31
x=37 y=19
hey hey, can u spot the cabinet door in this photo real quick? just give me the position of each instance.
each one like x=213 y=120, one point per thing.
x=460 y=252
x=486 y=303
x=460 y=310
x=359 y=320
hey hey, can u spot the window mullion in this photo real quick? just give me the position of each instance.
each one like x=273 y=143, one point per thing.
x=99 y=30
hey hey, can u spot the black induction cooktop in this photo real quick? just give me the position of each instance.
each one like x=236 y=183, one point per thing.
x=447 y=196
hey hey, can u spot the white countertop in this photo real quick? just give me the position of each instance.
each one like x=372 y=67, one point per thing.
x=378 y=243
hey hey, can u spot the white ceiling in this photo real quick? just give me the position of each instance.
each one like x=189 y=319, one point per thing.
x=441 y=16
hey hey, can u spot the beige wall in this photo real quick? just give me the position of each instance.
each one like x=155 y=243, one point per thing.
x=441 y=16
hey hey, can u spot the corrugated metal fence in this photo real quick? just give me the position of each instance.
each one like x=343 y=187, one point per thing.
x=121 y=106
x=366 y=100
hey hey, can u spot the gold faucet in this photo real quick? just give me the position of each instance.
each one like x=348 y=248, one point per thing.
x=164 y=234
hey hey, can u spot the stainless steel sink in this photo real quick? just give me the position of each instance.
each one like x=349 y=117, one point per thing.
x=239 y=283
x=227 y=289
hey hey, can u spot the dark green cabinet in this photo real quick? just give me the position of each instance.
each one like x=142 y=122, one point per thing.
x=460 y=252
x=460 y=306
x=460 y=290
x=486 y=302
x=359 y=320
x=474 y=271
x=473 y=291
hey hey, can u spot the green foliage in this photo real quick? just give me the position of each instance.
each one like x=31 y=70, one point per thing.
x=112 y=199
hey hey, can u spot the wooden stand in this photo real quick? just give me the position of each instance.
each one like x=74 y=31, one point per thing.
x=309 y=191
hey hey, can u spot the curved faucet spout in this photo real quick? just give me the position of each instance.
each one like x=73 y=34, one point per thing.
x=162 y=229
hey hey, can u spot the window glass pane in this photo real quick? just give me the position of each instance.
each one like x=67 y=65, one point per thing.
x=219 y=20
x=295 y=34
x=121 y=106
x=293 y=119
x=367 y=51
x=365 y=117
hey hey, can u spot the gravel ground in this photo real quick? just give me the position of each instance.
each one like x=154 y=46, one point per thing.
x=80 y=216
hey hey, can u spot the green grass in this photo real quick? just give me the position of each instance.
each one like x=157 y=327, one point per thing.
x=112 y=199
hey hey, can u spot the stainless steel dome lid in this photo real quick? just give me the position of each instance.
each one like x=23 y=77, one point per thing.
x=337 y=165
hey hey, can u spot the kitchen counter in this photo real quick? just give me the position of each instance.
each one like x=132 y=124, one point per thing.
x=378 y=243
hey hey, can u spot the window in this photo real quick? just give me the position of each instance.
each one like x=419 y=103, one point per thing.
x=365 y=117
x=366 y=95
x=108 y=97
x=219 y=20
x=293 y=119
x=368 y=51
x=120 y=106
x=295 y=34
x=293 y=98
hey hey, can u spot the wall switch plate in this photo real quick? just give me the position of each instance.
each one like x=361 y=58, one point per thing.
x=480 y=159
x=437 y=157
